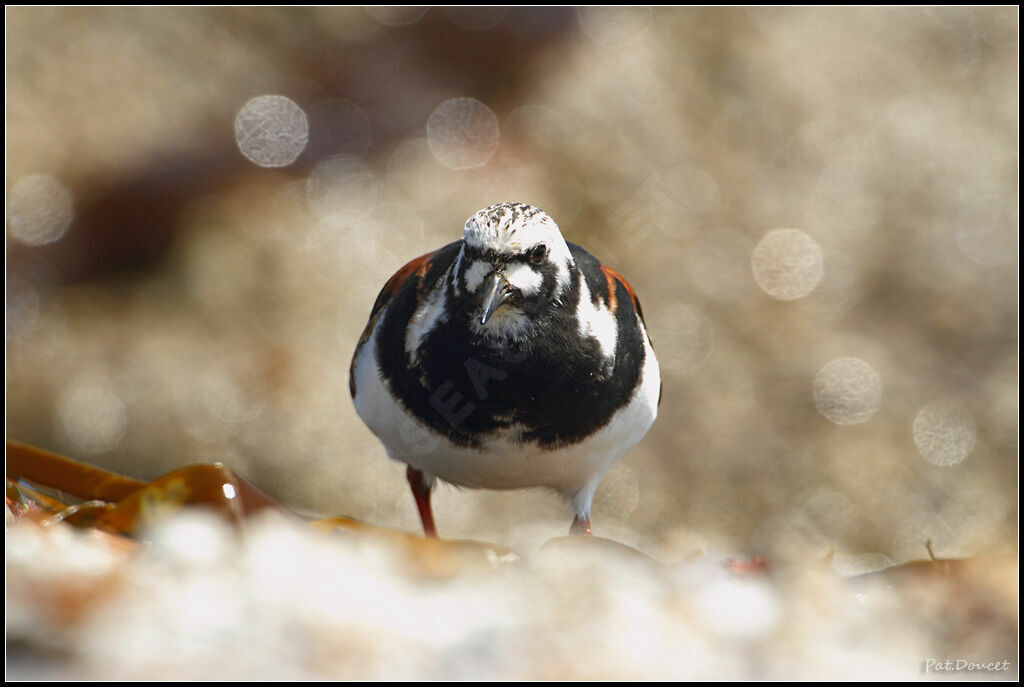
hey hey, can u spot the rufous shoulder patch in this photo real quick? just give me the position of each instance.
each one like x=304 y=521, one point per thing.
x=612 y=276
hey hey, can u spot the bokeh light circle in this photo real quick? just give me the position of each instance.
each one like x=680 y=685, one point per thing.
x=787 y=264
x=39 y=210
x=847 y=391
x=271 y=131
x=342 y=190
x=944 y=432
x=463 y=133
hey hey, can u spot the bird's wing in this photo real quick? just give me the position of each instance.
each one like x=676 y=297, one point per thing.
x=610 y=288
x=615 y=281
x=605 y=284
x=412 y=273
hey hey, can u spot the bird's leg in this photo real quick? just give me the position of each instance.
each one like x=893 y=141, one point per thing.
x=580 y=525
x=421 y=492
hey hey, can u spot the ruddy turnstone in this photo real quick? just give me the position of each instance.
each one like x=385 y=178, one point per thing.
x=508 y=359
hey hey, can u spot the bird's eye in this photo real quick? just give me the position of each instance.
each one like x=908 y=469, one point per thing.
x=538 y=253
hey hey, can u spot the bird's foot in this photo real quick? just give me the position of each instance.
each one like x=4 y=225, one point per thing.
x=580 y=526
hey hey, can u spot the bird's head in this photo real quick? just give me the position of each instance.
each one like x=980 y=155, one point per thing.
x=513 y=268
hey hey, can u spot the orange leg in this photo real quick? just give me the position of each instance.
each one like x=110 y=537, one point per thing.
x=421 y=492
x=580 y=526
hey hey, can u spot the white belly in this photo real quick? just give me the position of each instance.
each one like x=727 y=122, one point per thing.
x=503 y=463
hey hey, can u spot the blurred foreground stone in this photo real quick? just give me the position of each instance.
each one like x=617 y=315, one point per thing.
x=196 y=589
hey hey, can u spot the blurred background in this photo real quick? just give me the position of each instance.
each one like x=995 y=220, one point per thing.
x=817 y=207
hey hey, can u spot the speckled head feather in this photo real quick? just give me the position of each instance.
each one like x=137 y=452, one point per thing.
x=510 y=227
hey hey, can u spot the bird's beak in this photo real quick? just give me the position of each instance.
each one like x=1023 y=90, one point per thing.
x=496 y=292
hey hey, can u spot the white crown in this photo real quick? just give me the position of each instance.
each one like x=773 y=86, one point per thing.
x=511 y=228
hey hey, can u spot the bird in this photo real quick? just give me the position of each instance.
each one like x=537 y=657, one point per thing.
x=508 y=359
